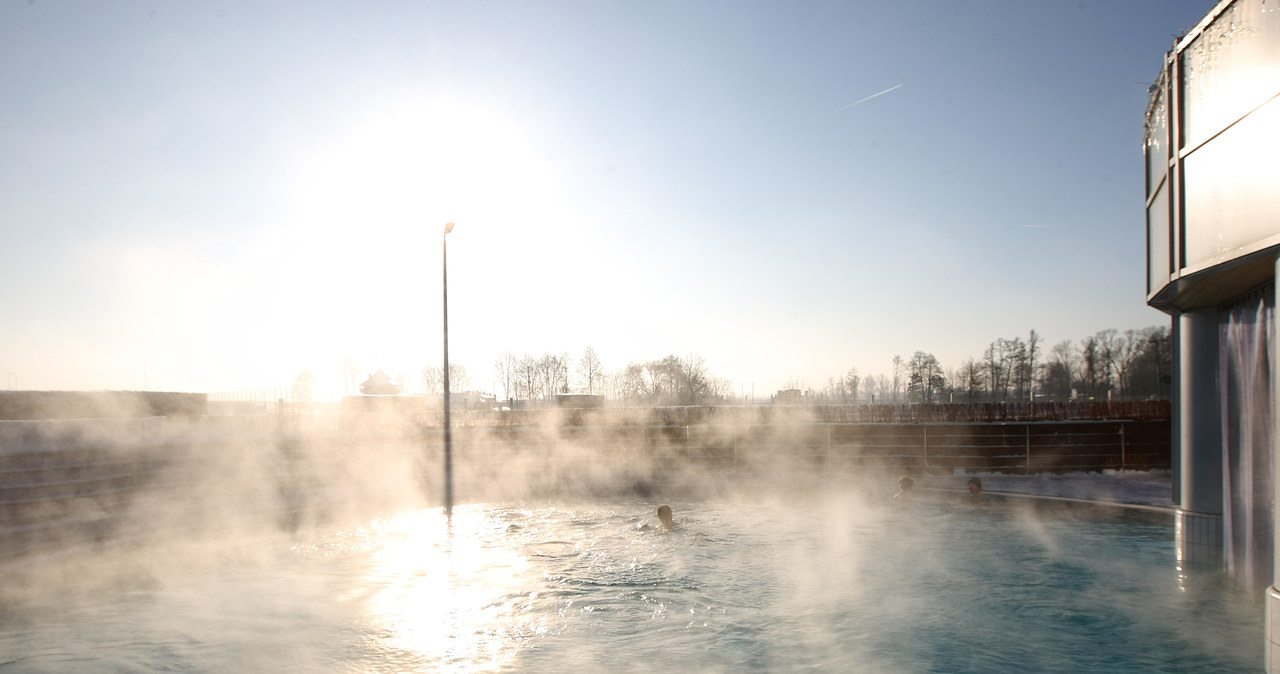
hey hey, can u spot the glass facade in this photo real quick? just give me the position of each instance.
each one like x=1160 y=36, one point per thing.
x=1232 y=200
x=1158 y=242
x=1230 y=68
x=1212 y=133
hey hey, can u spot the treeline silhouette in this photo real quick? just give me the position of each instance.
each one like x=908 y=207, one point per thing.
x=1108 y=366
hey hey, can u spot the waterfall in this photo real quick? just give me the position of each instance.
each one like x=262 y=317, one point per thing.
x=1245 y=339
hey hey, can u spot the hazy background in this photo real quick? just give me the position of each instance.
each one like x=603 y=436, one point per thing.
x=220 y=196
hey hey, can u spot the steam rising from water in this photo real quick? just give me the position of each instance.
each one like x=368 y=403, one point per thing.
x=275 y=546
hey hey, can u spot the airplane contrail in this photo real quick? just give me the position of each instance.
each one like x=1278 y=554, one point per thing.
x=864 y=100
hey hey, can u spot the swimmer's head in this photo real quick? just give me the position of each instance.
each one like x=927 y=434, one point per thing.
x=975 y=486
x=905 y=483
x=664 y=516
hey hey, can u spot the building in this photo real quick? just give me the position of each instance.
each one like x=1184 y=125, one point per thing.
x=1213 y=246
x=789 y=396
x=379 y=384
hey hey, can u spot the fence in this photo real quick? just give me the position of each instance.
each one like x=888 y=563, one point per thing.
x=1155 y=410
x=846 y=448
x=76 y=484
x=81 y=482
x=20 y=405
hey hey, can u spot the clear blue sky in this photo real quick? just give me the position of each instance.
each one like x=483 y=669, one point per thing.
x=216 y=196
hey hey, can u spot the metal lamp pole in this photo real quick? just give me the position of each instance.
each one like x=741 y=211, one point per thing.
x=448 y=429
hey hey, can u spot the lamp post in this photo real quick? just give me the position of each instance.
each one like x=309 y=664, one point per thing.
x=448 y=430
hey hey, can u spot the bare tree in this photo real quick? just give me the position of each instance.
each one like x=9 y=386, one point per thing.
x=1033 y=350
x=994 y=360
x=505 y=372
x=897 y=376
x=1057 y=379
x=666 y=378
x=924 y=377
x=590 y=371
x=1108 y=342
x=1017 y=369
x=719 y=388
x=1128 y=348
x=884 y=386
x=631 y=383
x=850 y=388
x=553 y=374
x=1007 y=368
x=869 y=387
x=970 y=379
x=668 y=381
x=831 y=394
x=610 y=385
x=695 y=381
x=433 y=379
x=527 y=378
x=1089 y=366
x=459 y=380
x=1150 y=373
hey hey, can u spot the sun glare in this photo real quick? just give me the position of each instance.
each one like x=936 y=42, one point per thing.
x=351 y=265
x=346 y=268
x=407 y=159
x=448 y=594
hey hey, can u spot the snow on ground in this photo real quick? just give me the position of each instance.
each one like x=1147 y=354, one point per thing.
x=1153 y=488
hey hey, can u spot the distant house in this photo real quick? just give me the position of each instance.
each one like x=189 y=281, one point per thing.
x=790 y=396
x=379 y=384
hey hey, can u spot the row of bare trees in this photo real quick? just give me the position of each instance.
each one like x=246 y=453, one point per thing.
x=667 y=381
x=670 y=381
x=1110 y=365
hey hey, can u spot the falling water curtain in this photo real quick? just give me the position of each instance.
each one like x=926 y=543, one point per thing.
x=1245 y=338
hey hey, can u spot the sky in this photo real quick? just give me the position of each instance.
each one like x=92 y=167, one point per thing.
x=220 y=196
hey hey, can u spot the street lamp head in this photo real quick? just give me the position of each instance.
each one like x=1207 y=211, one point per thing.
x=448 y=227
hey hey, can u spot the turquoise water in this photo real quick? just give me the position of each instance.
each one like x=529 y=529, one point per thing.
x=826 y=584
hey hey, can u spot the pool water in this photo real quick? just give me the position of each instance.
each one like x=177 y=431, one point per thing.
x=826 y=583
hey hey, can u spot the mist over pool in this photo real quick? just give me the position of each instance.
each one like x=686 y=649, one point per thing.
x=829 y=580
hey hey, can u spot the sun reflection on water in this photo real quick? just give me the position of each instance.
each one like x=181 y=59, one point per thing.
x=454 y=595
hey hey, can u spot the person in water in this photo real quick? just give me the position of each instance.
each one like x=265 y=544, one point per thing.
x=905 y=485
x=665 y=521
x=975 y=488
x=665 y=518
